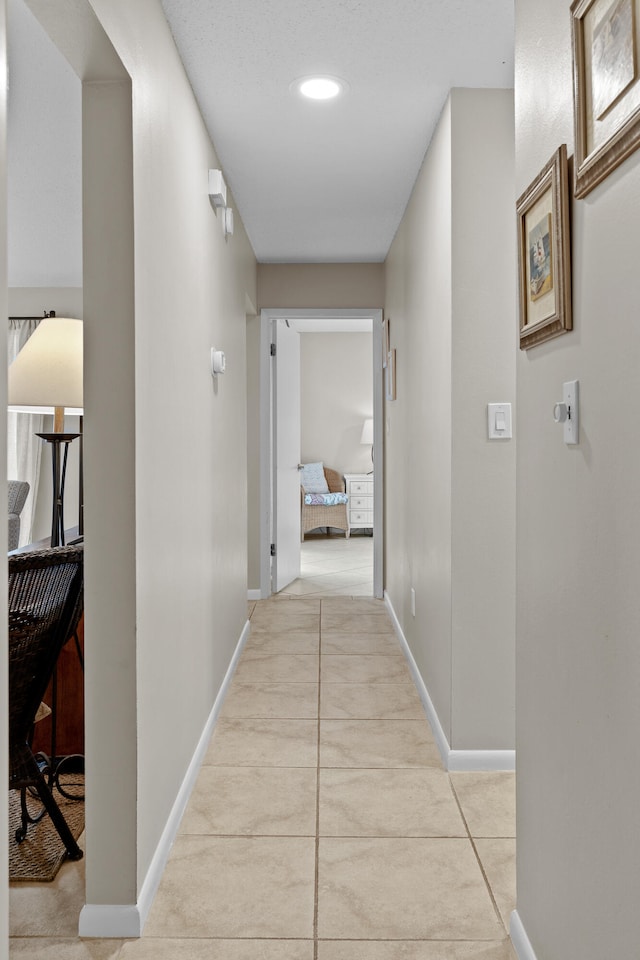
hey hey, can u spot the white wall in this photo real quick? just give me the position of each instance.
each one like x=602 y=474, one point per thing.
x=450 y=508
x=32 y=301
x=578 y=552
x=483 y=370
x=165 y=583
x=336 y=397
x=418 y=471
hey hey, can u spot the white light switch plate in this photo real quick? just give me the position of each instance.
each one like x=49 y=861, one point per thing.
x=499 y=421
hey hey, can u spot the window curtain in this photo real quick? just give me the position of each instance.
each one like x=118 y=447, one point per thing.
x=24 y=449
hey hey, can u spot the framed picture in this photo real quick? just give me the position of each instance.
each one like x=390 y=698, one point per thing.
x=544 y=254
x=390 y=375
x=606 y=87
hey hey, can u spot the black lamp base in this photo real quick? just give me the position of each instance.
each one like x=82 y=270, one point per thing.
x=59 y=470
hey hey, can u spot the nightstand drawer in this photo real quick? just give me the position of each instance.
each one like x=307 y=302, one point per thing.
x=361 y=518
x=361 y=497
x=361 y=486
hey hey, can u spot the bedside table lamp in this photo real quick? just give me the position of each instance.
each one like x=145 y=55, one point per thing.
x=46 y=377
x=367 y=437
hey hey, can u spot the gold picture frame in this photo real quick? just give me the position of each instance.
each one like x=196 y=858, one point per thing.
x=544 y=254
x=606 y=87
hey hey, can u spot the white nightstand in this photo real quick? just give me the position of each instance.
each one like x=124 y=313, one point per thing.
x=360 y=506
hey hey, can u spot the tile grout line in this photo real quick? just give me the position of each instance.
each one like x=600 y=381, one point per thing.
x=477 y=856
x=317 y=839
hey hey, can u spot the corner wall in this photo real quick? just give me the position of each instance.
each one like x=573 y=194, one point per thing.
x=578 y=550
x=450 y=512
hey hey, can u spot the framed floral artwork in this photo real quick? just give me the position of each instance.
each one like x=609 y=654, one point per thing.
x=544 y=254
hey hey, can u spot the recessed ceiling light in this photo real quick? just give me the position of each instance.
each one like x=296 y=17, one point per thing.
x=319 y=88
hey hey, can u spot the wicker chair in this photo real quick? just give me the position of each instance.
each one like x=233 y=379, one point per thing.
x=45 y=604
x=317 y=515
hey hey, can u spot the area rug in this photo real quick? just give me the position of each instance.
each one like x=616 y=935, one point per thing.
x=42 y=853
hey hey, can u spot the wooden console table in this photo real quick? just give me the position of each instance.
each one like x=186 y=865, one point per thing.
x=70 y=703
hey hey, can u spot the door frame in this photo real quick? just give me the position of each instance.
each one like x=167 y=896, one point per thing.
x=285 y=527
x=267 y=415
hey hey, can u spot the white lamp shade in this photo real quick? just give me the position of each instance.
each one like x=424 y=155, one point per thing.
x=47 y=372
x=367 y=432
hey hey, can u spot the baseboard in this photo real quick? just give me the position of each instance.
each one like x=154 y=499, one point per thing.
x=429 y=709
x=254 y=595
x=468 y=760
x=481 y=760
x=519 y=939
x=127 y=920
x=120 y=920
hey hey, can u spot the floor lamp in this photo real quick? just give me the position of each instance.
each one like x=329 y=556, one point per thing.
x=366 y=437
x=46 y=377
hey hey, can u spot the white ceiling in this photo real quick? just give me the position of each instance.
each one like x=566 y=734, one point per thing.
x=313 y=182
x=329 y=182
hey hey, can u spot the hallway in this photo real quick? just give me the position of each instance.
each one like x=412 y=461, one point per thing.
x=322 y=817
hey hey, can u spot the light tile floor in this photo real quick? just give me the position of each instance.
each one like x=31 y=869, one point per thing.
x=334 y=566
x=322 y=825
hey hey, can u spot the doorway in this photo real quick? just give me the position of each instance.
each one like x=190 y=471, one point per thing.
x=280 y=547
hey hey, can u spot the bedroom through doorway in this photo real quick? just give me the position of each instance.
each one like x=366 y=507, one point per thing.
x=327 y=397
x=336 y=402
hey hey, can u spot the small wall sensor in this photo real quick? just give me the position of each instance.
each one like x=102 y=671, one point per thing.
x=218 y=361
x=217 y=188
x=228 y=222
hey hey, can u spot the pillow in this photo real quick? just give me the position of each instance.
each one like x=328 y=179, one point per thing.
x=325 y=499
x=313 y=479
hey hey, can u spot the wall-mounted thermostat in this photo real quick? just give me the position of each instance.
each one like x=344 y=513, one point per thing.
x=218 y=361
